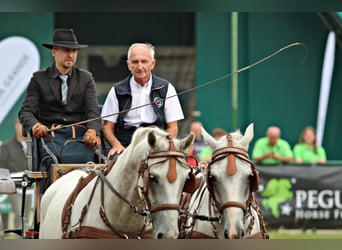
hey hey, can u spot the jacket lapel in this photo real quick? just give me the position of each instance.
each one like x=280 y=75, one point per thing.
x=54 y=82
x=72 y=84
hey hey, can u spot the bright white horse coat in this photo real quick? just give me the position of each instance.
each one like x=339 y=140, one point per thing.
x=125 y=178
x=233 y=222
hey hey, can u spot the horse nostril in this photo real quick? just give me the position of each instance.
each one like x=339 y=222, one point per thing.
x=226 y=235
x=160 y=236
x=242 y=233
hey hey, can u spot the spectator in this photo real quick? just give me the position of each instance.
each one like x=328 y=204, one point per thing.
x=272 y=149
x=199 y=143
x=206 y=152
x=306 y=150
x=47 y=105
x=12 y=157
x=140 y=100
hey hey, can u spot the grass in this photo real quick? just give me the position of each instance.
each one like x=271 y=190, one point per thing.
x=307 y=234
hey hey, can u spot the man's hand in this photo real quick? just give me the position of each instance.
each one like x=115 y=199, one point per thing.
x=115 y=150
x=39 y=130
x=90 y=138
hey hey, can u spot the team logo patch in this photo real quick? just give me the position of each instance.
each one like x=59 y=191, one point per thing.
x=158 y=102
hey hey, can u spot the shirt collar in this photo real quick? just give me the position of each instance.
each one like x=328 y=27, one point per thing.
x=137 y=85
x=56 y=73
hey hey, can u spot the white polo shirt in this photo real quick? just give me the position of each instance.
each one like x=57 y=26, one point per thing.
x=141 y=110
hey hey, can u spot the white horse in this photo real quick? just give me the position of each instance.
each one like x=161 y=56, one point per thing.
x=224 y=206
x=145 y=184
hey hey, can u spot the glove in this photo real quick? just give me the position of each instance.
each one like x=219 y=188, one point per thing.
x=39 y=130
x=90 y=138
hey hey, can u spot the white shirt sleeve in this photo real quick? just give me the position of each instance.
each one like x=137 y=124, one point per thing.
x=110 y=107
x=173 y=110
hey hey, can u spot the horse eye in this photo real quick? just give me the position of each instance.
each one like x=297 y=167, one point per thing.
x=153 y=178
x=211 y=177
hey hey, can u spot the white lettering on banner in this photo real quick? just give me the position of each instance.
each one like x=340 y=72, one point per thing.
x=338 y=203
x=301 y=196
x=19 y=59
x=337 y=214
x=315 y=204
x=312 y=214
x=329 y=203
x=313 y=199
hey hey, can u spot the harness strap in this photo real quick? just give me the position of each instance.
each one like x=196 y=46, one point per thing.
x=159 y=207
x=83 y=182
x=258 y=235
x=232 y=204
x=85 y=207
x=184 y=206
x=108 y=224
x=231 y=166
x=87 y=232
x=214 y=229
x=172 y=174
x=67 y=210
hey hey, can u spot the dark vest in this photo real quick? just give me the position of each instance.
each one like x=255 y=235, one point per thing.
x=157 y=96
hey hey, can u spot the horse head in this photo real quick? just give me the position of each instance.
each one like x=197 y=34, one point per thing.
x=164 y=174
x=231 y=178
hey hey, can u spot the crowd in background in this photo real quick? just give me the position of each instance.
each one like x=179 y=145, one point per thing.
x=271 y=149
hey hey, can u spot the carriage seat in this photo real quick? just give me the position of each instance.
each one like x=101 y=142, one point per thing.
x=33 y=169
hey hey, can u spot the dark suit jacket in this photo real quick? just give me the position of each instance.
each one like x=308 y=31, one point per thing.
x=12 y=156
x=43 y=100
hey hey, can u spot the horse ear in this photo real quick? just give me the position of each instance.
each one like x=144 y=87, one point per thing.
x=248 y=136
x=151 y=138
x=208 y=138
x=187 y=141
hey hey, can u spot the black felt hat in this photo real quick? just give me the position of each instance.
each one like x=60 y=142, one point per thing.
x=65 y=38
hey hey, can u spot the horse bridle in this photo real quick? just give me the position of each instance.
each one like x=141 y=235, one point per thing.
x=172 y=155
x=231 y=153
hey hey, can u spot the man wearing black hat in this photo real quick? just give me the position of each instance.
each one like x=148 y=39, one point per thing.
x=54 y=109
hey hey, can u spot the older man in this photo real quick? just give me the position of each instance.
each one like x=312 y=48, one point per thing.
x=142 y=99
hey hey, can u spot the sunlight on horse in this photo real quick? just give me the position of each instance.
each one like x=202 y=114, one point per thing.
x=227 y=192
x=150 y=174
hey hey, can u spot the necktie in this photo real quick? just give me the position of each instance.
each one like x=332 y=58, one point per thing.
x=64 y=88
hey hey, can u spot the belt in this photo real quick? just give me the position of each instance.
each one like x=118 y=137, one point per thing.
x=55 y=126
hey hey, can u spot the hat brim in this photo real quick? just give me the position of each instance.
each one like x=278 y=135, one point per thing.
x=69 y=46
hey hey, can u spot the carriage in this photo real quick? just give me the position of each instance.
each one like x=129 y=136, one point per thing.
x=147 y=192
